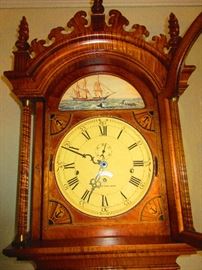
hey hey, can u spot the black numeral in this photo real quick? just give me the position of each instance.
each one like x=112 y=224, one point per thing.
x=86 y=134
x=135 y=181
x=86 y=196
x=69 y=166
x=132 y=146
x=103 y=130
x=73 y=182
x=104 y=201
x=138 y=163
x=123 y=195
x=119 y=134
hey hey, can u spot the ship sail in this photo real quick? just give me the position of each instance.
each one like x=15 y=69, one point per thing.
x=81 y=92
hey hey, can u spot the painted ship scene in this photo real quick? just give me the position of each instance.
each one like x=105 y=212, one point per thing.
x=101 y=92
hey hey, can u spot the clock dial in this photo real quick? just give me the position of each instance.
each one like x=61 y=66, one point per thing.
x=103 y=166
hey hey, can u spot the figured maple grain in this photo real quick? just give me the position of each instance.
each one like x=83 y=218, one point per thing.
x=23 y=182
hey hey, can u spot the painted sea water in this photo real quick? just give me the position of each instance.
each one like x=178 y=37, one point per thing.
x=108 y=104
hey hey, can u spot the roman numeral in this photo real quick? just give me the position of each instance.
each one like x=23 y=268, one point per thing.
x=123 y=195
x=135 y=181
x=103 y=130
x=73 y=182
x=86 y=134
x=138 y=163
x=86 y=196
x=69 y=166
x=104 y=201
x=132 y=146
x=119 y=134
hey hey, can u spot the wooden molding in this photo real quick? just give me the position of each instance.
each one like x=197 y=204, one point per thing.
x=86 y=3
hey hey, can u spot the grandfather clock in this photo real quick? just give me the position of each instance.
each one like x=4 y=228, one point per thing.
x=109 y=187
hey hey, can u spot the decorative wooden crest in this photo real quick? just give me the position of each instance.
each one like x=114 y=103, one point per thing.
x=158 y=59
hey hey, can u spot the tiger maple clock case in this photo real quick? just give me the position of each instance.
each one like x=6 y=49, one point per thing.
x=109 y=187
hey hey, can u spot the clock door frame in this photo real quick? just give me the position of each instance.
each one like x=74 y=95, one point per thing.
x=129 y=222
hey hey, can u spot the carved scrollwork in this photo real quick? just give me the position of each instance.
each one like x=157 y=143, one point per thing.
x=37 y=47
x=153 y=210
x=139 y=31
x=58 y=214
x=145 y=120
x=75 y=26
x=78 y=22
x=117 y=20
x=79 y=25
x=160 y=42
x=58 y=123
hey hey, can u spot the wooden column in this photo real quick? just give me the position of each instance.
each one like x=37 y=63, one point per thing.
x=23 y=182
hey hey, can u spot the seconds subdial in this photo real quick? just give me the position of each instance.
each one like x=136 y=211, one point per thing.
x=103 y=151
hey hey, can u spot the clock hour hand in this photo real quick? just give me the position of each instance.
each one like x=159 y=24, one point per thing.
x=95 y=182
x=73 y=150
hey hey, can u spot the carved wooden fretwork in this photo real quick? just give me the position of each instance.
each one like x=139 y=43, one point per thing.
x=137 y=34
x=156 y=55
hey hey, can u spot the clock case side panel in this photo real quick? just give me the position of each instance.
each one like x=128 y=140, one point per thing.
x=177 y=181
x=176 y=83
x=37 y=171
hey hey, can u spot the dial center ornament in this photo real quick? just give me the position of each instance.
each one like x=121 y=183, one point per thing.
x=103 y=166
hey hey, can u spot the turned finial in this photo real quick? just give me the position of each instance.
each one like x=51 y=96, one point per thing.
x=97 y=7
x=98 y=17
x=174 y=31
x=21 y=43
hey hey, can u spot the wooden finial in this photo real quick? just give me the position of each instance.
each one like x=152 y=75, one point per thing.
x=23 y=36
x=98 y=17
x=174 y=31
x=97 y=7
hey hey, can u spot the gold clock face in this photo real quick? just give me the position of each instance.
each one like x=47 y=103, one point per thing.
x=103 y=166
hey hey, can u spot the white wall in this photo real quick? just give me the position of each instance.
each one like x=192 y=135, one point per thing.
x=41 y=21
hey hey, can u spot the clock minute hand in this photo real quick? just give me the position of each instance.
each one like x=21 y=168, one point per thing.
x=74 y=151
x=92 y=158
x=83 y=155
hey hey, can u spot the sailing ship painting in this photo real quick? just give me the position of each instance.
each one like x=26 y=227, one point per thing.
x=101 y=92
x=83 y=93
